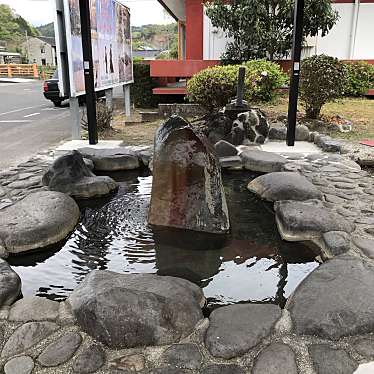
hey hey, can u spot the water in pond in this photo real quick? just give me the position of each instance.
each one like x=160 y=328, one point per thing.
x=252 y=264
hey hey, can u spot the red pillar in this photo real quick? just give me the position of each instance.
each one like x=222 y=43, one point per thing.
x=194 y=30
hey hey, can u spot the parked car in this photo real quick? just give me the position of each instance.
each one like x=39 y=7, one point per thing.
x=51 y=91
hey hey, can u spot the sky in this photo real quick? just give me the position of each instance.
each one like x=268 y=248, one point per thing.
x=40 y=12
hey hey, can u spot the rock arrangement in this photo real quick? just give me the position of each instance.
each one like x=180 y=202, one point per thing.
x=248 y=126
x=69 y=174
x=187 y=190
x=148 y=324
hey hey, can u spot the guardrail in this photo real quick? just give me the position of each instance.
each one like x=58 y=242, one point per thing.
x=19 y=70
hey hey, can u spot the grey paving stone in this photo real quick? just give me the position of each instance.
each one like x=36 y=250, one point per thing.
x=92 y=358
x=26 y=336
x=334 y=199
x=337 y=242
x=275 y=357
x=327 y=360
x=19 y=365
x=223 y=369
x=61 y=350
x=235 y=329
x=335 y=300
x=169 y=370
x=365 y=347
x=129 y=363
x=34 y=309
x=185 y=356
x=365 y=244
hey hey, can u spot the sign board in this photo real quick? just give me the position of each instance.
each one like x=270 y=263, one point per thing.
x=111 y=45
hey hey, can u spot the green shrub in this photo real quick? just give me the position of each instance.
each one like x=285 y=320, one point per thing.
x=360 y=78
x=323 y=79
x=214 y=87
x=268 y=77
x=141 y=90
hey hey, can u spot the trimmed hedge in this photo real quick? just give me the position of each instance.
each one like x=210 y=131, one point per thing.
x=214 y=87
x=360 y=78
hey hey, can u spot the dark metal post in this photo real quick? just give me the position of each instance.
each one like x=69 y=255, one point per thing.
x=294 y=85
x=240 y=88
x=84 y=6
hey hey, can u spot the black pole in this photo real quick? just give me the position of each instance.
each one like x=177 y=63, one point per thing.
x=84 y=6
x=240 y=88
x=294 y=84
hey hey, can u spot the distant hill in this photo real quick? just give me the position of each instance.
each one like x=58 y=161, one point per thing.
x=47 y=30
x=147 y=36
x=13 y=28
x=155 y=36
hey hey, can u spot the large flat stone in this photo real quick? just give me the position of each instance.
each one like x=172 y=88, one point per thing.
x=120 y=158
x=335 y=300
x=307 y=220
x=26 y=336
x=61 y=350
x=34 y=309
x=131 y=310
x=10 y=284
x=327 y=360
x=284 y=186
x=19 y=365
x=40 y=219
x=274 y=357
x=261 y=161
x=185 y=356
x=235 y=329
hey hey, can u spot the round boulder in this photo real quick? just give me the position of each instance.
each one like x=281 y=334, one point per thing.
x=284 y=186
x=136 y=310
x=39 y=220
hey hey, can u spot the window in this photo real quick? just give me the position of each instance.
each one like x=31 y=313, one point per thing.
x=44 y=62
x=42 y=49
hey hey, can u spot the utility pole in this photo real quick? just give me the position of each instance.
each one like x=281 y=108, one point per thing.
x=84 y=6
x=295 y=77
x=27 y=47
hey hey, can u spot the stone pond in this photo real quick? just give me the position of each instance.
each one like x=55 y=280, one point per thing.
x=120 y=296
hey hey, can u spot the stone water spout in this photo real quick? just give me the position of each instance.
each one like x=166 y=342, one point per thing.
x=187 y=191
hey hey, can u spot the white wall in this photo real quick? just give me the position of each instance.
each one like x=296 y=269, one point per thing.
x=214 y=41
x=364 y=45
x=339 y=42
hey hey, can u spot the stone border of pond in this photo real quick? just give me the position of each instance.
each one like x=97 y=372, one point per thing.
x=327 y=325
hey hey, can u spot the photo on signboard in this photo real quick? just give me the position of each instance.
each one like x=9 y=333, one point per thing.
x=111 y=45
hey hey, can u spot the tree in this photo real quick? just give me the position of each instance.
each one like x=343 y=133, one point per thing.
x=323 y=79
x=13 y=27
x=263 y=28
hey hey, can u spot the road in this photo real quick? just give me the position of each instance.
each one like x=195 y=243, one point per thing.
x=29 y=124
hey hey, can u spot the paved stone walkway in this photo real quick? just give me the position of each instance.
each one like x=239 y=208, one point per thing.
x=327 y=326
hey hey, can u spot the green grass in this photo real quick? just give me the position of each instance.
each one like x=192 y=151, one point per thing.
x=358 y=110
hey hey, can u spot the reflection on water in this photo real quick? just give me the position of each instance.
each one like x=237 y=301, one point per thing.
x=251 y=264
